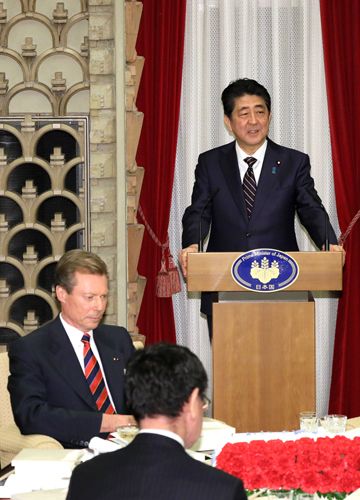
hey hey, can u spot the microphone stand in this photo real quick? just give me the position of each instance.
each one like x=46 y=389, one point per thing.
x=327 y=244
x=326 y=218
x=209 y=198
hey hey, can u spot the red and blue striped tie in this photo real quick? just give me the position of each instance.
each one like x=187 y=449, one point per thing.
x=95 y=378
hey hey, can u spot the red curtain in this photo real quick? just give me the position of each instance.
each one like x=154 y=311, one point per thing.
x=341 y=39
x=161 y=42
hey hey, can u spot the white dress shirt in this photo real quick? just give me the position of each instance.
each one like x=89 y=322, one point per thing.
x=243 y=166
x=75 y=337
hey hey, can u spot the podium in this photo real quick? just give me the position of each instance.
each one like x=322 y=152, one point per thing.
x=264 y=343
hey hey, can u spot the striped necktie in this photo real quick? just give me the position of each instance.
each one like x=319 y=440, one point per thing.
x=95 y=378
x=249 y=185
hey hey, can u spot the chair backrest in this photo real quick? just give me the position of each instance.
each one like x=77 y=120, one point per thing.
x=6 y=415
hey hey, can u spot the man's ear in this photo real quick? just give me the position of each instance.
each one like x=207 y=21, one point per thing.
x=193 y=403
x=227 y=123
x=61 y=293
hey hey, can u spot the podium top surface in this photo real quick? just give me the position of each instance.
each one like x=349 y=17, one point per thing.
x=211 y=271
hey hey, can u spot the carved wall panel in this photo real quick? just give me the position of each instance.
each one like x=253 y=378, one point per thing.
x=44 y=178
x=43 y=55
x=58 y=59
x=135 y=174
x=44 y=174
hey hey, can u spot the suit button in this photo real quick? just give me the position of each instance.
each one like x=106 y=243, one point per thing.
x=248 y=235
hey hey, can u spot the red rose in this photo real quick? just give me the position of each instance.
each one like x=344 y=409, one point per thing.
x=325 y=465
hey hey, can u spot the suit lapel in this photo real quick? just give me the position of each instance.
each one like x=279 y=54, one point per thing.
x=269 y=178
x=110 y=365
x=62 y=354
x=229 y=166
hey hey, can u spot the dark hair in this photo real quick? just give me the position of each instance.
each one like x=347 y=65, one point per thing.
x=240 y=87
x=160 y=379
x=77 y=261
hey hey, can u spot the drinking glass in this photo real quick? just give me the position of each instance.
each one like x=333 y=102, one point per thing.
x=126 y=433
x=334 y=423
x=308 y=421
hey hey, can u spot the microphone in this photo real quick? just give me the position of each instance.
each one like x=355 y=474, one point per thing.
x=316 y=197
x=209 y=198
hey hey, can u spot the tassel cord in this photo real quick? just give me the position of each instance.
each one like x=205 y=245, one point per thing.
x=168 y=278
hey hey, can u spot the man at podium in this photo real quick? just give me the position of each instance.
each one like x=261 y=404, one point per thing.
x=248 y=191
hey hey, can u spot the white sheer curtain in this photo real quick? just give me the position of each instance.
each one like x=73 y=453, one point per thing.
x=278 y=43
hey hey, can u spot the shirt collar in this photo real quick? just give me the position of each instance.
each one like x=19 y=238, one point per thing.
x=72 y=331
x=259 y=153
x=165 y=433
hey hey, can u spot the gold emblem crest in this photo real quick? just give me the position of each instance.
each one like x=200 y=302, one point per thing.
x=263 y=272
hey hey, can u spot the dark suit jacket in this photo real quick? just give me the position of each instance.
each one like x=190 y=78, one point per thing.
x=285 y=188
x=49 y=392
x=152 y=467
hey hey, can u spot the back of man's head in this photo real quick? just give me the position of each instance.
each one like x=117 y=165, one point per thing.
x=160 y=379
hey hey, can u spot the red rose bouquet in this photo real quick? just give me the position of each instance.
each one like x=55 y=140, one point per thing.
x=324 y=465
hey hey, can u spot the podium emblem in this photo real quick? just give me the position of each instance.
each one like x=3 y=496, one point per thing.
x=265 y=270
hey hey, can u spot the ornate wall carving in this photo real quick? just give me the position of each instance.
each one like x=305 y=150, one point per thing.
x=58 y=59
x=43 y=213
x=44 y=174
x=135 y=173
x=44 y=58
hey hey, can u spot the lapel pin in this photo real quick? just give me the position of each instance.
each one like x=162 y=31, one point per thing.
x=274 y=169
